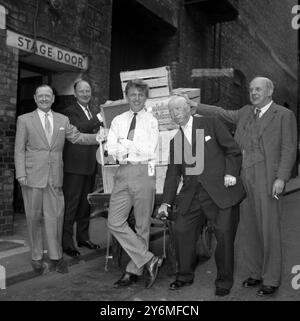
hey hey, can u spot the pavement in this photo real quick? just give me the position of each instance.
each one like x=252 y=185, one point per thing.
x=15 y=252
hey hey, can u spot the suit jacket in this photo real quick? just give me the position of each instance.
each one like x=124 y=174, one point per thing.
x=81 y=159
x=277 y=136
x=35 y=158
x=221 y=156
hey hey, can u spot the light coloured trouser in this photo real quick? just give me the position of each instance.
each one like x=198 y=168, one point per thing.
x=132 y=187
x=44 y=204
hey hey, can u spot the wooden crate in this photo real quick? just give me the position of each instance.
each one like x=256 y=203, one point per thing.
x=108 y=173
x=193 y=93
x=159 y=107
x=158 y=80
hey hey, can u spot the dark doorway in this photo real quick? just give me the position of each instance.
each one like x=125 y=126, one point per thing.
x=139 y=41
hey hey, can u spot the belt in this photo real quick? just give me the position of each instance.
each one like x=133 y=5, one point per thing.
x=133 y=163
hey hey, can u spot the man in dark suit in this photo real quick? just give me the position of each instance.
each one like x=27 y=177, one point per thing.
x=79 y=170
x=213 y=189
x=267 y=136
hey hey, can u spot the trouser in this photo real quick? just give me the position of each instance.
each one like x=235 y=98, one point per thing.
x=260 y=228
x=44 y=205
x=77 y=209
x=132 y=187
x=188 y=227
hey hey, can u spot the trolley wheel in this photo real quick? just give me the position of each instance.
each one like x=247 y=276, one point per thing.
x=206 y=242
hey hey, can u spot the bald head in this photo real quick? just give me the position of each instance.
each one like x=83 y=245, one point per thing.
x=179 y=110
x=82 y=92
x=261 y=91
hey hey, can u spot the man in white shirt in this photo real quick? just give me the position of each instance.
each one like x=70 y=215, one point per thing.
x=267 y=136
x=39 y=143
x=132 y=140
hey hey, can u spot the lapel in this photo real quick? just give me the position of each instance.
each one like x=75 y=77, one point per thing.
x=81 y=113
x=267 y=118
x=39 y=127
x=55 y=128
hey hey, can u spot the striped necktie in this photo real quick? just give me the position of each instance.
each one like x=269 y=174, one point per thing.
x=48 y=129
x=257 y=112
x=88 y=112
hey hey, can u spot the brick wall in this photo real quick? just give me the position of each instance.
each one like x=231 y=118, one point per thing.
x=260 y=42
x=8 y=89
x=83 y=28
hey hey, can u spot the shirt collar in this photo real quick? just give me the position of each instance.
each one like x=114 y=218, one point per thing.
x=84 y=108
x=42 y=113
x=141 y=112
x=189 y=124
x=265 y=108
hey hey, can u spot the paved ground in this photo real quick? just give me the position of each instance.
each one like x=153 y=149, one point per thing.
x=88 y=280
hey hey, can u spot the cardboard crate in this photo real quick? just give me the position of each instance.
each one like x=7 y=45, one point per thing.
x=158 y=80
x=111 y=109
x=108 y=173
x=193 y=93
x=159 y=107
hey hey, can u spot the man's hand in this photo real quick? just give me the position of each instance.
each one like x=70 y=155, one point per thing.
x=162 y=212
x=278 y=187
x=229 y=180
x=22 y=181
x=102 y=135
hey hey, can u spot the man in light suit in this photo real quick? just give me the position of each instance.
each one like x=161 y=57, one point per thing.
x=213 y=190
x=267 y=136
x=79 y=170
x=40 y=139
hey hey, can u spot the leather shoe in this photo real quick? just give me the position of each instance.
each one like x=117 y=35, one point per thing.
x=90 y=245
x=152 y=268
x=71 y=252
x=267 y=290
x=178 y=284
x=38 y=265
x=222 y=292
x=251 y=283
x=126 y=280
x=59 y=266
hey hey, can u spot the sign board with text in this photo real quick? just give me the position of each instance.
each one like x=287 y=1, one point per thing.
x=46 y=50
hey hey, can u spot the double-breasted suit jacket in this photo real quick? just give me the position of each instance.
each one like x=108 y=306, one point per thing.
x=221 y=156
x=205 y=193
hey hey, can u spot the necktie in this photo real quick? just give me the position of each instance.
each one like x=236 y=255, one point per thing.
x=48 y=130
x=257 y=112
x=88 y=112
x=132 y=127
x=130 y=134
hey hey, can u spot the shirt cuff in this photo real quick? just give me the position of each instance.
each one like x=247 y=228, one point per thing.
x=100 y=117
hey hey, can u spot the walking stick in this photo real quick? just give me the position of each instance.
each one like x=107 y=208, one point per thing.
x=108 y=256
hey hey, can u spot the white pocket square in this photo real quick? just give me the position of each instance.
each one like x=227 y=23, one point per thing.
x=207 y=138
x=61 y=128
